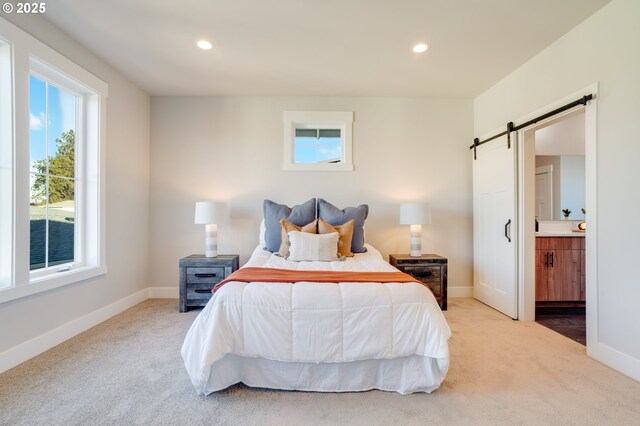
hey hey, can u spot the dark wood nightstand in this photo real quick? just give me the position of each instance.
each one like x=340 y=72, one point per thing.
x=431 y=269
x=198 y=275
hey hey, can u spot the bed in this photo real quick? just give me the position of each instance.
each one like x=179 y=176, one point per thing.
x=313 y=336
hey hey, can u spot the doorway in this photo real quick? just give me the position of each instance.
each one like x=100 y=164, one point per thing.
x=560 y=208
x=529 y=206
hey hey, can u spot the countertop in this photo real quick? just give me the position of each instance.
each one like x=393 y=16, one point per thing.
x=560 y=234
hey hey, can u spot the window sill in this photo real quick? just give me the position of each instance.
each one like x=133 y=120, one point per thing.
x=320 y=167
x=50 y=282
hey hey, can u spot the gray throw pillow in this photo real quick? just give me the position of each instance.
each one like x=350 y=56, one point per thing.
x=298 y=215
x=336 y=217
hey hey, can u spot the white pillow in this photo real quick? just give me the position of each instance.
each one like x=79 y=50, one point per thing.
x=263 y=231
x=312 y=247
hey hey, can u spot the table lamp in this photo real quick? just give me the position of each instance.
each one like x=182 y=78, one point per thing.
x=211 y=214
x=415 y=215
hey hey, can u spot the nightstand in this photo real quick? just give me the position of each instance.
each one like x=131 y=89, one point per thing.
x=198 y=275
x=430 y=269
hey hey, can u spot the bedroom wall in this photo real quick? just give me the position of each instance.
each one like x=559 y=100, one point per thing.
x=603 y=49
x=127 y=214
x=231 y=149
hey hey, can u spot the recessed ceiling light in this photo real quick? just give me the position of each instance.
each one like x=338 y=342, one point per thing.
x=420 y=47
x=204 y=45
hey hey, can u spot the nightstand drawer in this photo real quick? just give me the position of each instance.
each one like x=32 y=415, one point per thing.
x=426 y=274
x=199 y=292
x=204 y=275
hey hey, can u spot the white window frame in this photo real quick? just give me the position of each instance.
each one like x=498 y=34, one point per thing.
x=318 y=120
x=29 y=55
x=50 y=76
x=6 y=165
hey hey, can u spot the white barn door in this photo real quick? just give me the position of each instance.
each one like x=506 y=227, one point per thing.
x=494 y=174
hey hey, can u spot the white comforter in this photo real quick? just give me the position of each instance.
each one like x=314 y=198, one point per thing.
x=316 y=322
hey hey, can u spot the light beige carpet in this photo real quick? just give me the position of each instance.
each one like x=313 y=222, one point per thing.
x=128 y=370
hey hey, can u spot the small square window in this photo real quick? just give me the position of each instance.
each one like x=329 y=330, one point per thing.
x=317 y=146
x=317 y=140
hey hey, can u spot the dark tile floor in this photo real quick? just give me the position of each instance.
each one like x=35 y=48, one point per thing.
x=570 y=322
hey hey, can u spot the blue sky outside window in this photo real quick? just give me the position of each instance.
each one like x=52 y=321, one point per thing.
x=317 y=146
x=60 y=116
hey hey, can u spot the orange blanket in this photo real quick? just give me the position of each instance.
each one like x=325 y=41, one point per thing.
x=273 y=275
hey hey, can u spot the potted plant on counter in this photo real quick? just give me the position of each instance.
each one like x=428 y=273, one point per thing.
x=566 y=213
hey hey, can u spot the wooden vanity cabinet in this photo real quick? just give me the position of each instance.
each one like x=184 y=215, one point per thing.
x=560 y=269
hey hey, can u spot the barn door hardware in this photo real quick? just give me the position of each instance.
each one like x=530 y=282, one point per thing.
x=512 y=128
x=509 y=130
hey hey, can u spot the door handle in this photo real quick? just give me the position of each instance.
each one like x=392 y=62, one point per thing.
x=506 y=230
x=546 y=259
x=552 y=259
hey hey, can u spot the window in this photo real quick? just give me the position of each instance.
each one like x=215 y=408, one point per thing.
x=52 y=121
x=6 y=165
x=317 y=140
x=317 y=146
x=52 y=180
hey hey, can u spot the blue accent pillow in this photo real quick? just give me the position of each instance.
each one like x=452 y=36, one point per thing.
x=336 y=217
x=298 y=215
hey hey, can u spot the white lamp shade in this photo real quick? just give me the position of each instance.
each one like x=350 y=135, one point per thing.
x=211 y=212
x=415 y=214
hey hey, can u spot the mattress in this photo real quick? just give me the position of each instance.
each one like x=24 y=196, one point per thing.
x=318 y=336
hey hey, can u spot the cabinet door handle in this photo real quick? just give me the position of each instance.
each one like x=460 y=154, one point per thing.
x=546 y=259
x=552 y=259
x=506 y=230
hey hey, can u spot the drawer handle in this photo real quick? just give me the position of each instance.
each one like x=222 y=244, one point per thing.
x=202 y=291
x=424 y=274
x=206 y=275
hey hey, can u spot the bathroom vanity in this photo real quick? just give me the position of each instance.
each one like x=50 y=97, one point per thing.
x=560 y=267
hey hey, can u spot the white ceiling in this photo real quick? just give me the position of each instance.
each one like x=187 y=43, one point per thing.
x=564 y=137
x=318 y=47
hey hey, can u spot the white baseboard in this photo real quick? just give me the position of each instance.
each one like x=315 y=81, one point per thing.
x=615 y=359
x=31 y=348
x=163 y=293
x=460 y=292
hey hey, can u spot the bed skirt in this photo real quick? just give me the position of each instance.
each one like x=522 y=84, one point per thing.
x=403 y=375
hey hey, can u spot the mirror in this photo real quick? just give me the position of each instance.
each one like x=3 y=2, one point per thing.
x=560 y=184
x=560 y=168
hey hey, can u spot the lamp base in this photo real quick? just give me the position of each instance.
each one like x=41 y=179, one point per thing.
x=416 y=241
x=211 y=241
